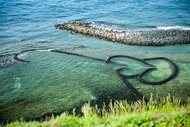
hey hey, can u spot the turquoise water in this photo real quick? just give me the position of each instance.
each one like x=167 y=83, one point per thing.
x=54 y=82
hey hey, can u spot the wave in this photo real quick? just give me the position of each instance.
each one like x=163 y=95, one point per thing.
x=120 y=28
x=106 y=26
x=173 y=27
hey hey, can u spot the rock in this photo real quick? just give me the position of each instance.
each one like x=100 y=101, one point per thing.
x=140 y=38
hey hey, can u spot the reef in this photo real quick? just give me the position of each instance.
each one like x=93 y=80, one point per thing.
x=121 y=66
x=153 y=37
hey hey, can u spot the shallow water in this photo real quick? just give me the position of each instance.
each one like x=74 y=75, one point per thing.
x=54 y=82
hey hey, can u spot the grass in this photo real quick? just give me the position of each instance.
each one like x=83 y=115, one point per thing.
x=156 y=113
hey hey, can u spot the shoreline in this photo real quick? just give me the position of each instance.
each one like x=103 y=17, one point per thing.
x=167 y=111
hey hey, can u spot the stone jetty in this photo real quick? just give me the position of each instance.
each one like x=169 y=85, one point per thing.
x=154 y=37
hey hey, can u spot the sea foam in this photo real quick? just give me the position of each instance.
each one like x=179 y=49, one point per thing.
x=173 y=27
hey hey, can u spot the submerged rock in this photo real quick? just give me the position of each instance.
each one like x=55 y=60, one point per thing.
x=141 y=38
x=6 y=60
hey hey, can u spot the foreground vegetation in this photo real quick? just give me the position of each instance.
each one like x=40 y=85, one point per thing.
x=157 y=113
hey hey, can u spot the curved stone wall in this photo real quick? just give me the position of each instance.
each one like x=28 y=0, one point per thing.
x=124 y=78
x=141 y=38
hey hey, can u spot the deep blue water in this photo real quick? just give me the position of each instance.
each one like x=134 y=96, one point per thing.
x=52 y=83
x=34 y=19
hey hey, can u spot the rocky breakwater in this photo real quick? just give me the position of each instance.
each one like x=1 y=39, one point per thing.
x=154 y=37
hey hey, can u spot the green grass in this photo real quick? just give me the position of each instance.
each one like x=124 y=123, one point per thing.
x=157 y=113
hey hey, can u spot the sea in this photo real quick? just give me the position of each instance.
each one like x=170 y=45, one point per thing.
x=45 y=71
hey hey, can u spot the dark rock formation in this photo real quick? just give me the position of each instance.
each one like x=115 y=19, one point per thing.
x=6 y=60
x=141 y=38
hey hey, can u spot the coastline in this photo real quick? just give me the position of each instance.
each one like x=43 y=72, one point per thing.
x=164 y=112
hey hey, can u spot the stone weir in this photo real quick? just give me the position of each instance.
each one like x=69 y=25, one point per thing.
x=154 y=37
